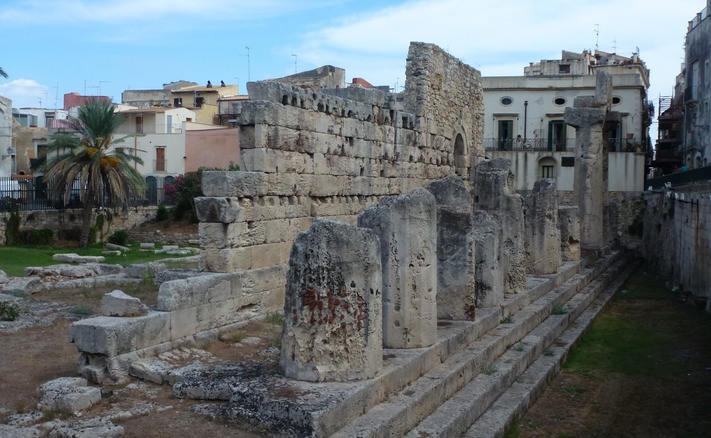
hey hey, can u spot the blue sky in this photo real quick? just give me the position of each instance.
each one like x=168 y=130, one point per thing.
x=52 y=47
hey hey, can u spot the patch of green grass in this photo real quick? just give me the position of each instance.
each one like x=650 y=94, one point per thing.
x=558 y=309
x=274 y=318
x=512 y=430
x=14 y=259
x=518 y=346
x=489 y=369
x=574 y=390
x=508 y=320
x=83 y=310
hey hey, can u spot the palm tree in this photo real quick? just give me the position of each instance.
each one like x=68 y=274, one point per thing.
x=85 y=161
x=2 y=73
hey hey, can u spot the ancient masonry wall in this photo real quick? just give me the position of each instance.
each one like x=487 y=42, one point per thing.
x=69 y=220
x=677 y=239
x=332 y=153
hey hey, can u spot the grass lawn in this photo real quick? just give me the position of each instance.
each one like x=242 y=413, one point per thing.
x=14 y=259
x=643 y=369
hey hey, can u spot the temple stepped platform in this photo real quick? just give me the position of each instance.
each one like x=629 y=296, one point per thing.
x=473 y=381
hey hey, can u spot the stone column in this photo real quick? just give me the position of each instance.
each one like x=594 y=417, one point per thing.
x=407 y=228
x=542 y=234
x=495 y=194
x=333 y=305
x=590 y=187
x=489 y=273
x=455 y=249
x=569 y=224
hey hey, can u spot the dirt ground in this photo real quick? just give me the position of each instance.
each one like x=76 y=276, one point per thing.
x=32 y=356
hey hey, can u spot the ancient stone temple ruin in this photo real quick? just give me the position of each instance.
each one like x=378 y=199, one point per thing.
x=410 y=274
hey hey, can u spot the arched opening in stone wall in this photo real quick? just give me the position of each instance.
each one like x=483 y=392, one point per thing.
x=461 y=159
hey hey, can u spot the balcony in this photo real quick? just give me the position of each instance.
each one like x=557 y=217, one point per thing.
x=536 y=144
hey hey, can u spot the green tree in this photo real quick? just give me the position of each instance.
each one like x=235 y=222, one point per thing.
x=2 y=73
x=85 y=161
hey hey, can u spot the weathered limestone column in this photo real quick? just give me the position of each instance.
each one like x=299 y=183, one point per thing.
x=489 y=273
x=407 y=228
x=542 y=234
x=333 y=306
x=495 y=193
x=588 y=117
x=455 y=249
x=569 y=224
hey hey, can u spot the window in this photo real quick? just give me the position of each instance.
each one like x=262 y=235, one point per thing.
x=505 y=135
x=564 y=68
x=556 y=135
x=616 y=100
x=139 y=124
x=506 y=101
x=160 y=159
x=169 y=122
x=567 y=161
x=547 y=171
x=559 y=101
x=199 y=102
x=120 y=151
x=178 y=102
x=547 y=166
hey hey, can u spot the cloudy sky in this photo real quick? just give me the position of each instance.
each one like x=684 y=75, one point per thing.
x=52 y=47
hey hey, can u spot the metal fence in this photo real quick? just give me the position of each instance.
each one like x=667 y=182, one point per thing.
x=700 y=175
x=34 y=194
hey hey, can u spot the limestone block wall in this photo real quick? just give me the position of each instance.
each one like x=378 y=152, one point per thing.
x=332 y=153
x=677 y=239
x=69 y=220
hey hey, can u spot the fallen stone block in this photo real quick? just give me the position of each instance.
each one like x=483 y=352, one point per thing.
x=68 y=394
x=92 y=428
x=144 y=270
x=76 y=258
x=114 y=247
x=117 y=303
x=110 y=252
x=111 y=336
x=146 y=245
x=151 y=370
x=8 y=431
x=3 y=277
x=22 y=285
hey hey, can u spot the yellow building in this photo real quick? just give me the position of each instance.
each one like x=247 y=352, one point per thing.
x=203 y=100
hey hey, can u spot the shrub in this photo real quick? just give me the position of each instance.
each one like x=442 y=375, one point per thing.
x=119 y=237
x=161 y=213
x=9 y=311
x=42 y=237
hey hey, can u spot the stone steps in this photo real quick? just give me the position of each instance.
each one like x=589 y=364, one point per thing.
x=516 y=400
x=447 y=398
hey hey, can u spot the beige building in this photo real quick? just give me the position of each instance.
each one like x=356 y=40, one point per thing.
x=203 y=100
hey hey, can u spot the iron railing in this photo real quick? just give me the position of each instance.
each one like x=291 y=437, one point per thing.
x=34 y=194
x=530 y=144
x=700 y=175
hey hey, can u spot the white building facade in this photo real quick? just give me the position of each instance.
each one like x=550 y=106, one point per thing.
x=524 y=120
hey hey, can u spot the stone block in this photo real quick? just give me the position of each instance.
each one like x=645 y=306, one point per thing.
x=67 y=394
x=117 y=303
x=333 y=314
x=111 y=336
x=222 y=210
x=22 y=285
x=407 y=228
x=234 y=184
x=76 y=258
x=191 y=292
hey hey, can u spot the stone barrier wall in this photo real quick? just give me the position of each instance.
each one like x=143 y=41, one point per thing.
x=63 y=222
x=677 y=239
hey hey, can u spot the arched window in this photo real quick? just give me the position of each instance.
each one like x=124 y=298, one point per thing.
x=547 y=167
x=461 y=163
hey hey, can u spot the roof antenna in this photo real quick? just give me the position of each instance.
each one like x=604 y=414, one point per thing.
x=597 y=34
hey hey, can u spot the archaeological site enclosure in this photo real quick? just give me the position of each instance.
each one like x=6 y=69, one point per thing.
x=421 y=294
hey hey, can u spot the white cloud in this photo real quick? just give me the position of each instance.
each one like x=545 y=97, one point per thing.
x=24 y=93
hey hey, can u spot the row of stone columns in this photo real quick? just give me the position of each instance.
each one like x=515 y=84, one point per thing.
x=411 y=260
